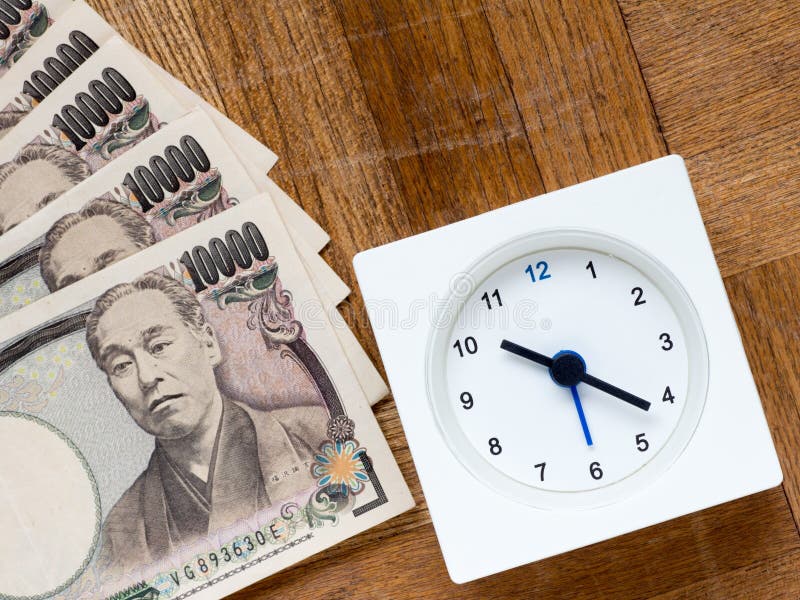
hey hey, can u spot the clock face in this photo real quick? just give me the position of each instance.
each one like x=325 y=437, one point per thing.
x=571 y=371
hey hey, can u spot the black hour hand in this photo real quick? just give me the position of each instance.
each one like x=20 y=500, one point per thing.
x=568 y=369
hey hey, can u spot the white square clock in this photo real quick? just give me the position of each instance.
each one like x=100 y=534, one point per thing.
x=567 y=369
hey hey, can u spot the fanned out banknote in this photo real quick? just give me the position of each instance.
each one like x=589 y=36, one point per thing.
x=70 y=42
x=23 y=24
x=183 y=423
x=58 y=64
x=77 y=34
x=183 y=411
x=111 y=103
x=182 y=174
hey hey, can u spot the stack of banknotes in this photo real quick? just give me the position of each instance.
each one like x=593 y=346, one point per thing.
x=182 y=409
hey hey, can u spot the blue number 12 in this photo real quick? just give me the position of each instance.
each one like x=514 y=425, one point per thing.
x=542 y=267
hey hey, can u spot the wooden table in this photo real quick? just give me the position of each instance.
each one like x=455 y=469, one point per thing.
x=392 y=117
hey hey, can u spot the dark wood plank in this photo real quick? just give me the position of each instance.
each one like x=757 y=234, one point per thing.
x=578 y=86
x=767 y=308
x=444 y=106
x=718 y=71
x=290 y=64
x=724 y=78
x=166 y=32
x=776 y=579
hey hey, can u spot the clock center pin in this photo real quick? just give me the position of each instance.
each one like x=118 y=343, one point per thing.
x=568 y=368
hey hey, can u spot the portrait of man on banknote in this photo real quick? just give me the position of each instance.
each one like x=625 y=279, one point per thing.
x=39 y=174
x=216 y=460
x=115 y=230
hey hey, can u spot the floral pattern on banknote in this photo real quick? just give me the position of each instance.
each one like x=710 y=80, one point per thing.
x=21 y=294
x=33 y=22
x=28 y=392
x=34 y=382
x=339 y=465
x=341 y=428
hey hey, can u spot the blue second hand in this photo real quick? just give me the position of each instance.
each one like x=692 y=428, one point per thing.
x=581 y=416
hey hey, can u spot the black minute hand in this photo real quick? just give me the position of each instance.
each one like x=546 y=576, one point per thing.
x=574 y=372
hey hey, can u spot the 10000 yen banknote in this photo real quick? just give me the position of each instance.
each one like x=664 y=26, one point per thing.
x=180 y=175
x=70 y=42
x=67 y=44
x=22 y=24
x=62 y=50
x=112 y=102
x=181 y=424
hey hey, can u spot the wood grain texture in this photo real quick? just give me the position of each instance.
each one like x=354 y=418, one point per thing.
x=724 y=78
x=776 y=579
x=767 y=309
x=394 y=117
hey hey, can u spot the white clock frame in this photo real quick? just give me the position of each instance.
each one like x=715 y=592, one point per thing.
x=731 y=453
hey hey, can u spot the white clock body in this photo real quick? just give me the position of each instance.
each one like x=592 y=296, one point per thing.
x=479 y=454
